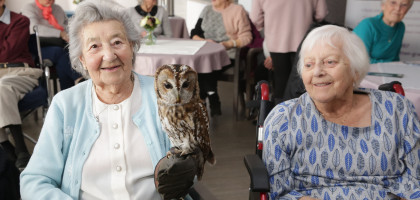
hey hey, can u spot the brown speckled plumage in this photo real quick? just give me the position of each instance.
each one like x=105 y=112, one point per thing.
x=183 y=114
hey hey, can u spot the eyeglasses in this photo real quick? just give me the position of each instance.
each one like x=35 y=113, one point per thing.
x=394 y=3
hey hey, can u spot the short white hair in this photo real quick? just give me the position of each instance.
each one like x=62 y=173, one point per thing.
x=335 y=36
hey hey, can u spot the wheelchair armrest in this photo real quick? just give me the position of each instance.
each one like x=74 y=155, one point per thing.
x=258 y=173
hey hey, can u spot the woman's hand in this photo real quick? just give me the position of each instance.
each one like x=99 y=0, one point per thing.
x=196 y=37
x=268 y=63
x=226 y=44
x=64 y=36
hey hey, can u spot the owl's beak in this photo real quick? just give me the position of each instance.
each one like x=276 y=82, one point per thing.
x=178 y=99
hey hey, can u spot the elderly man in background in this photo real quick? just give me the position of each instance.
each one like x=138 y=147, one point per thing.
x=16 y=79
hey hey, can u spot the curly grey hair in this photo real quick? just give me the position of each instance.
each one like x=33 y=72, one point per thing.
x=351 y=45
x=90 y=11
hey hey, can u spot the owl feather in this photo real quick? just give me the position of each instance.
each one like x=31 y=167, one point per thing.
x=183 y=114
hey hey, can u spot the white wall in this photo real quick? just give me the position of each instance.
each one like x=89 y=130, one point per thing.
x=194 y=8
x=247 y=4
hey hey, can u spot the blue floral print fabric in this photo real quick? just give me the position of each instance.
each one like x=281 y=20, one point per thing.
x=306 y=155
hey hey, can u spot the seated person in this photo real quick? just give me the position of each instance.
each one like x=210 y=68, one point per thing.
x=337 y=141
x=52 y=22
x=383 y=34
x=226 y=23
x=101 y=138
x=17 y=77
x=149 y=8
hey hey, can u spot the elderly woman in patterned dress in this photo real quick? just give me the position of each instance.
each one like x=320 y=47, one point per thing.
x=338 y=141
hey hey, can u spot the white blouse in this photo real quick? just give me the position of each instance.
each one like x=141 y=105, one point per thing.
x=119 y=165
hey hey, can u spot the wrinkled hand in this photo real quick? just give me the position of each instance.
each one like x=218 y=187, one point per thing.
x=196 y=37
x=174 y=175
x=227 y=44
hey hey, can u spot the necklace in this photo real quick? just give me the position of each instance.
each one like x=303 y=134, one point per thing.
x=107 y=105
x=97 y=115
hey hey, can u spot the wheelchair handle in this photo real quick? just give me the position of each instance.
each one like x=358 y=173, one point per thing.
x=398 y=88
x=265 y=92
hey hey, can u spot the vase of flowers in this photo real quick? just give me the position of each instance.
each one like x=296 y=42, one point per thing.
x=149 y=23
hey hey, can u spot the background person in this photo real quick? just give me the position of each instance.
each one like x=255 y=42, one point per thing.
x=285 y=24
x=17 y=77
x=336 y=141
x=383 y=34
x=52 y=22
x=226 y=23
x=102 y=138
x=149 y=8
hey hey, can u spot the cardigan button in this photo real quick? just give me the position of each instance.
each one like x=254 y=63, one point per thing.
x=115 y=126
x=116 y=146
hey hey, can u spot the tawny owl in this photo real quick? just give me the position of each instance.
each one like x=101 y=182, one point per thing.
x=183 y=114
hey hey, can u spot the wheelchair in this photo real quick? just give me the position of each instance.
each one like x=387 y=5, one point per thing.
x=40 y=95
x=260 y=186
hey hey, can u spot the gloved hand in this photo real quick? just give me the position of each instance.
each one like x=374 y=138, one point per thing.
x=174 y=175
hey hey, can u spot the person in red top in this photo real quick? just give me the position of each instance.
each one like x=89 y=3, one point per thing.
x=17 y=77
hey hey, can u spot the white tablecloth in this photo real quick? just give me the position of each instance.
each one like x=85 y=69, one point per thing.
x=182 y=47
x=410 y=80
x=208 y=58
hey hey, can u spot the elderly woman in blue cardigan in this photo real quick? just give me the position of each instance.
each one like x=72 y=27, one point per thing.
x=102 y=139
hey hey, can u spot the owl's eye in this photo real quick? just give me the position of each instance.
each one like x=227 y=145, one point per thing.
x=167 y=85
x=185 y=84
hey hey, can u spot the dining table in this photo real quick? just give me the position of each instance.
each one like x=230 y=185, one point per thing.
x=202 y=56
x=178 y=27
x=405 y=72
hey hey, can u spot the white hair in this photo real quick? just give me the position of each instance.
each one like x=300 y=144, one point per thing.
x=90 y=11
x=335 y=36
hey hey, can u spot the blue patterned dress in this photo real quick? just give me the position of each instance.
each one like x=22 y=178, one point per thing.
x=306 y=155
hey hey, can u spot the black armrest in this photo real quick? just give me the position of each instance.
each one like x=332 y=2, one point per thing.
x=258 y=173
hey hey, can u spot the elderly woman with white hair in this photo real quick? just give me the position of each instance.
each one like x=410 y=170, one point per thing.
x=337 y=141
x=383 y=34
x=149 y=8
x=103 y=139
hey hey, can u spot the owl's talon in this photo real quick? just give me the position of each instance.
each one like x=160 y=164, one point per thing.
x=168 y=154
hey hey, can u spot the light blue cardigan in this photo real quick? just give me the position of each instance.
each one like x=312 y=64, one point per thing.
x=68 y=134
